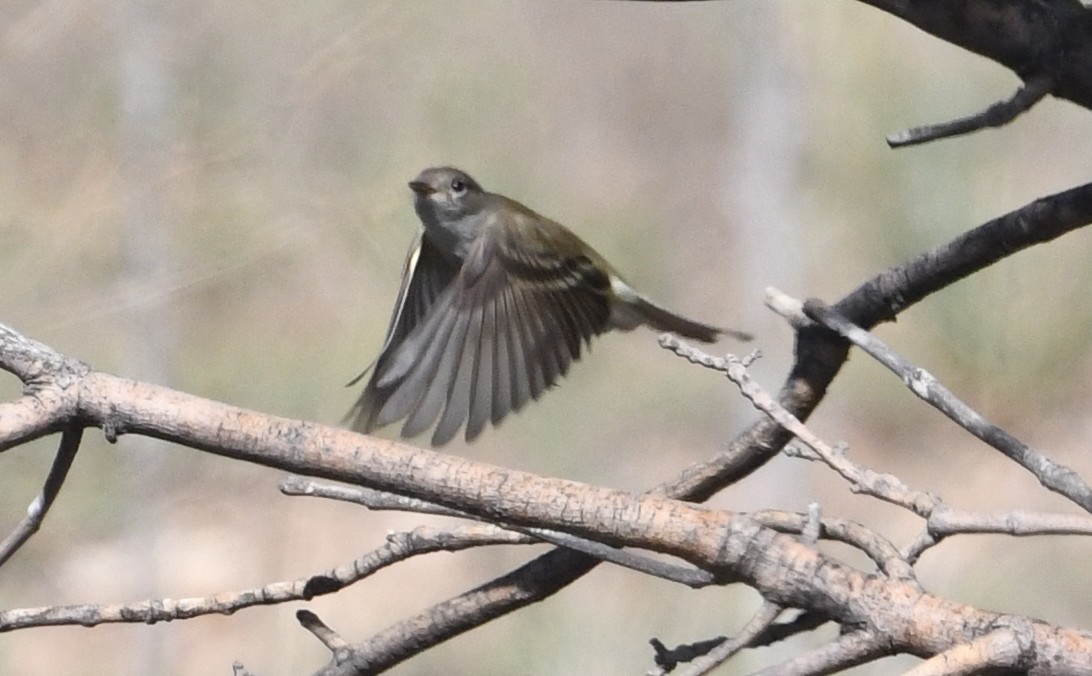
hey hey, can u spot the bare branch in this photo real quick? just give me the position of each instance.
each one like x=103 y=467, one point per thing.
x=31 y=361
x=848 y=651
x=329 y=638
x=708 y=655
x=886 y=487
x=365 y=497
x=997 y=115
x=1046 y=38
x=884 y=296
x=36 y=512
x=399 y=547
x=941 y=520
x=812 y=523
x=373 y=499
x=945 y=522
x=694 y=578
x=1052 y=475
x=790 y=309
x=763 y=618
x=882 y=552
x=998 y=649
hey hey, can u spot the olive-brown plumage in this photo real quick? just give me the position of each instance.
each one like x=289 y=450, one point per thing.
x=496 y=303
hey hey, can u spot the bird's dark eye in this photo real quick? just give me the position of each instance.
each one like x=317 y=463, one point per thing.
x=458 y=185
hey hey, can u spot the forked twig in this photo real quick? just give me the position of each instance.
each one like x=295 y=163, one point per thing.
x=1052 y=475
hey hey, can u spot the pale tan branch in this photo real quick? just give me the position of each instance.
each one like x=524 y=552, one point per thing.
x=365 y=497
x=883 y=553
x=849 y=650
x=36 y=512
x=733 y=547
x=945 y=522
x=886 y=487
x=1052 y=475
x=1005 y=648
x=379 y=500
x=399 y=547
x=760 y=622
x=327 y=636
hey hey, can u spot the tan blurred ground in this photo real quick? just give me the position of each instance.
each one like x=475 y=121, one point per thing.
x=708 y=150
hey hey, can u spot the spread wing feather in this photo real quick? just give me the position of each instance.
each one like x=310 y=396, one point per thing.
x=479 y=344
x=426 y=274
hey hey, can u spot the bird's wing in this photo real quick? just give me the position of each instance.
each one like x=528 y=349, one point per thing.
x=426 y=274
x=506 y=328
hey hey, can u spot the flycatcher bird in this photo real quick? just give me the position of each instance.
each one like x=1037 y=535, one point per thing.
x=496 y=303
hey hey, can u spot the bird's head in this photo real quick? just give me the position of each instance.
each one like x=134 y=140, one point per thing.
x=444 y=194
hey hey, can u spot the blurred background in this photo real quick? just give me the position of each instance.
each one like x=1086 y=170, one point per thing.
x=212 y=196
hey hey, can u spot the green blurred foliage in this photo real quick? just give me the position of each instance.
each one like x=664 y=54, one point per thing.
x=645 y=127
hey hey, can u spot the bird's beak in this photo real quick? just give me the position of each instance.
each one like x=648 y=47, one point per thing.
x=421 y=188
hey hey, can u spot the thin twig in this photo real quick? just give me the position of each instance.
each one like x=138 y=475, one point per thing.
x=849 y=650
x=694 y=578
x=37 y=510
x=329 y=638
x=997 y=115
x=762 y=619
x=886 y=487
x=883 y=553
x=1052 y=475
x=380 y=500
x=707 y=655
x=399 y=546
x=365 y=497
x=668 y=658
x=945 y=522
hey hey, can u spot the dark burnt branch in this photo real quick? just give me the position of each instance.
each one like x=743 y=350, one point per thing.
x=1043 y=39
x=886 y=295
x=997 y=115
x=667 y=659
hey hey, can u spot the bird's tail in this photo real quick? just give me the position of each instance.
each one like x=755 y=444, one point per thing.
x=665 y=320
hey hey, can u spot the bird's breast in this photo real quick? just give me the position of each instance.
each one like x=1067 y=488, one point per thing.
x=452 y=238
